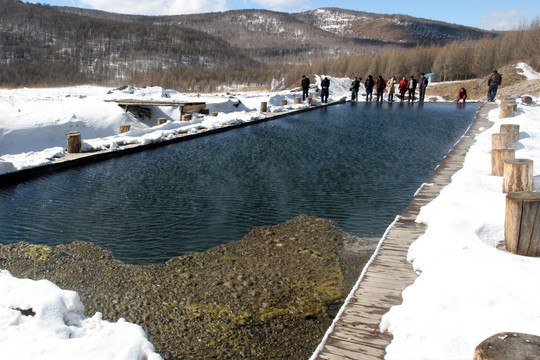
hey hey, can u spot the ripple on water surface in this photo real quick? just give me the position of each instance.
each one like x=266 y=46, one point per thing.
x=357 y=164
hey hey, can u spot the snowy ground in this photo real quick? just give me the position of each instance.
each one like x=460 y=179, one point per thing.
x=468 y=289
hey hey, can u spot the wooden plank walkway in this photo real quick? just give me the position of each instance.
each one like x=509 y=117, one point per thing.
x=355 y=332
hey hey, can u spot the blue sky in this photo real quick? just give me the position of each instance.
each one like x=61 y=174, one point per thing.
x=490 y=15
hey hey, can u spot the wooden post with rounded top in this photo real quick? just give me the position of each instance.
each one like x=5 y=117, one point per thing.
x=518 y=175
x=264 y=106
x=501 y=140
x=522 y=223
x=513 y=129
x=73 y=142
x=498 y=158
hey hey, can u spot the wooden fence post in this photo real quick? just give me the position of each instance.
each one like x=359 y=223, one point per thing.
x=508 y=345
x=498 y=157
x=73 y=142
x=513 y=129
x=264 y=106
x=522 y=223
x=283 y=102
x=308 y=100
x=501 y=140
x=518 y=175
x=297 y=100
x=124 y=128
x=186 y=117
x=161 y=121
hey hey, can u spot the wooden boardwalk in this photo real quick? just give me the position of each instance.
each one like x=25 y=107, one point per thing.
x=355 y=333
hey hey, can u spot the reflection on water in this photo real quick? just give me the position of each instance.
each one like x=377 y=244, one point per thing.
x=358 y=164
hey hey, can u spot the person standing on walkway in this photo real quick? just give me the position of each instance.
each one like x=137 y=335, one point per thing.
x=369 y=84
x=391 y=84
x=422 y=85
x=493 y=85
x=402 y=88
x=305 y=87
x=380 y=84
x=412 y=88
x=355 y=87
x=325 y=89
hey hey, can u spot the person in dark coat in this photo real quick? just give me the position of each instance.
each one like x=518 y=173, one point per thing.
x=325 y=86
x=355 y=87
x=462 y=95
x=493 y=85
x=380 y=84
x=369 y=84
x=411 y=88
x=422 y=85
x=305 y=87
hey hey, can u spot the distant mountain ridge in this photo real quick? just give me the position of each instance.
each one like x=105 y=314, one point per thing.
x=65 y=45
x=279 y=37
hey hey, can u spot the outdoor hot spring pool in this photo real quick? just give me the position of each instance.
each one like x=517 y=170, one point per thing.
x=359 y=164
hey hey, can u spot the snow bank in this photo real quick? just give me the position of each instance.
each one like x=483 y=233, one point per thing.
x=468 y=289
x=38 y=320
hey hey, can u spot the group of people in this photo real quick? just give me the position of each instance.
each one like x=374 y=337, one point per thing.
x=404 y=87
x=325 y=88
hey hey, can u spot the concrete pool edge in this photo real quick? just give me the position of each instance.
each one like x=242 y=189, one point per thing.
x=80 y=159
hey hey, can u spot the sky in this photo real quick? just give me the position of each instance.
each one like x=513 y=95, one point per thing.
x=484 y=14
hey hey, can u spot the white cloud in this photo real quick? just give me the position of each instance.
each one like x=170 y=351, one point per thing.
x=157 y=7
x=503 y=20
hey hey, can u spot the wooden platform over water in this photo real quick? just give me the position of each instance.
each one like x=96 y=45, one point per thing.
x=355 y=333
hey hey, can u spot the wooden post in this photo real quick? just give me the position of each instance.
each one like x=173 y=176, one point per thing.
x=508 y=345
x=124 y=128
x=316 y=95
x=283 y=102
x=297 y=100
x=264 y=106
x=498 y=157
x=161 y=121
x=214 y=114
x=513 y=129
x=308 y=100
x=518 y=175
x=73 y=142
x=506 y=110
x=509 y=101
x=522 y=223
x=186 y=117
x=501 y=141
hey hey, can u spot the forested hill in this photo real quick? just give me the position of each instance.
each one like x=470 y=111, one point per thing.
x=278 y=37
x=44 y=46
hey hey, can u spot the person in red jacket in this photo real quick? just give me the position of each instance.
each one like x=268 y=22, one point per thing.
x=462 y=95
x=402 y=88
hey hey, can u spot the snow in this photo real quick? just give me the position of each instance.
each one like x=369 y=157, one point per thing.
x=38 y=320
x=467 y=290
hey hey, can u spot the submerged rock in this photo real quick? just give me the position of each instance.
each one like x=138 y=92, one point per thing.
x=272 y=294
